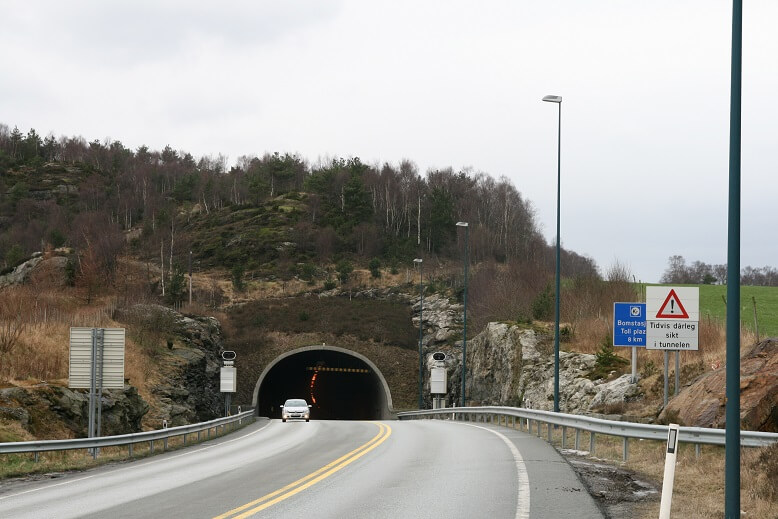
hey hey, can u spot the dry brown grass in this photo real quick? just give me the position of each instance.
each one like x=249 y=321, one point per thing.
x=698 y=489
x=42 y=350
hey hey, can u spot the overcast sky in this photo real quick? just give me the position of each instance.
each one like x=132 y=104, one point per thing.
x=645 y=87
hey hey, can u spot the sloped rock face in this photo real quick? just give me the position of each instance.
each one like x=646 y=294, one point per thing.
x=122 y=410
x=39 y=266
x=514 y=366
x=702 y=404
x=440 y=318
x=190 y=366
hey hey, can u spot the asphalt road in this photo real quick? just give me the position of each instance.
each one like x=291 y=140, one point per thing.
x=324 y=469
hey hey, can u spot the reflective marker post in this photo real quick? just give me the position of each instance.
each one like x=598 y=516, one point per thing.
x=667 y=482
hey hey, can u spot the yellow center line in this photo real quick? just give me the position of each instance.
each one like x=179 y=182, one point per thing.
x=298 y=486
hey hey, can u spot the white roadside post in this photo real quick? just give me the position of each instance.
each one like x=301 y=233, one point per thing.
x=667 y=482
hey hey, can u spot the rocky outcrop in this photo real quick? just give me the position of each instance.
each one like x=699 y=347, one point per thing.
x=122 y=410
x=442 y=319
x=38 y=265
x=702 y=403
x=514 y=365
x=189 y=364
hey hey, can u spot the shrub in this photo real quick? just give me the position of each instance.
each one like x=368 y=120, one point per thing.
x=330 y=284
x=375 y=267
x=543 y=305
x=606 y=360
x=14 y=256
x=306 y=271
x=344 y=268
x=237 y=277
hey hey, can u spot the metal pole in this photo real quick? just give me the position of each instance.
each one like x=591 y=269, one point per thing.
x=558 y=256
x=732 y=413
x=464 y=328
x=667 y=382
x=677 y=372
x=634 y=364
x=100 y=357
x=92 y=384
x=190 y=277
x=421 y=332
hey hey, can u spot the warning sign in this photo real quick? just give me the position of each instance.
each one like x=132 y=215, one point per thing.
x=672 y=303
x=672 y=308
x=672 y=318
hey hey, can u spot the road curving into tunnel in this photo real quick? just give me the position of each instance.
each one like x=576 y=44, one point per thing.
x=338 y=383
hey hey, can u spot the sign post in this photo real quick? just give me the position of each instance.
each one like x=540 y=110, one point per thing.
x=96 y=362
x=629 y=329
x=673 y=319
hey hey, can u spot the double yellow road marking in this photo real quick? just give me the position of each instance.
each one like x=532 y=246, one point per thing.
x=311 y=479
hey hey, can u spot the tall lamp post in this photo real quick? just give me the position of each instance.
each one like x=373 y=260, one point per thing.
x=419 y=261
x=732 y=412
x=558 y=101
x=464 y=327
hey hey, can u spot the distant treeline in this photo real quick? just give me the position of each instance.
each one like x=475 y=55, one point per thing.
x=702 y=273
x=391 y=211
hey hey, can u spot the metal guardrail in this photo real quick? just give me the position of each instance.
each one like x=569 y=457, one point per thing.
x=94 y=444
x=624 y=430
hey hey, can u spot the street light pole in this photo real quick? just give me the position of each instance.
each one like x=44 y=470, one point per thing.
x=421 y=328
x=558 y=101
x=464 y=327
x=732 y=411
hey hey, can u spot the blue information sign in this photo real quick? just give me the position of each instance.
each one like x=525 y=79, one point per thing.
x=629 y=324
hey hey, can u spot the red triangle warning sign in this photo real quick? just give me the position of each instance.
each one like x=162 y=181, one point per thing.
x=672 y=308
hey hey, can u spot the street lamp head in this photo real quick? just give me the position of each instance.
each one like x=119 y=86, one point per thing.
x=417 y=260
x=462 y=224
x=553 y=99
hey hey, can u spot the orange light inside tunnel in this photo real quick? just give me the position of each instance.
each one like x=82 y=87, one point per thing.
x=313 y=384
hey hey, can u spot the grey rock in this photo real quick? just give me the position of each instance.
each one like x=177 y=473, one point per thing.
x=512 y=365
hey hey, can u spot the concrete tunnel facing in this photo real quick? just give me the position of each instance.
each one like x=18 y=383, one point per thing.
x=339 y=384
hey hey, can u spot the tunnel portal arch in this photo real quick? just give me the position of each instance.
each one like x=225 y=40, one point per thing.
x=339 y=383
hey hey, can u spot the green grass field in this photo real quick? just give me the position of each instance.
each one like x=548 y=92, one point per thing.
x=712 y=303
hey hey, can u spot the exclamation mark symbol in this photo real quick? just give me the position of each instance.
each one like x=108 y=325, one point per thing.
x=672 y=306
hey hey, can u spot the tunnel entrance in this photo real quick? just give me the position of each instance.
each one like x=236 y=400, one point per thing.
x=339 y=384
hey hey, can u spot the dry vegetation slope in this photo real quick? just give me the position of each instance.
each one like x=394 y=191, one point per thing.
x=259 y=331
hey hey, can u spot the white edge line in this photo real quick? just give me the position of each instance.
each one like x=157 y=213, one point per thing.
x=134 y=465
x=522 y=496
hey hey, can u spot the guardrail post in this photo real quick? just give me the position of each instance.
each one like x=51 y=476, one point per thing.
x=564 y=436
x=36 y=456
x=198 y=436
x=591 y=443
x=129 y=450
x=626 y=448
x=151 y=446
x=578 y=439
x=513 y=422
x=696 y=450
x=549 y=432
x=184 y=439
x=164 y=444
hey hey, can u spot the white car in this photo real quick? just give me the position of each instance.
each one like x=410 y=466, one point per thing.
x=296 y=408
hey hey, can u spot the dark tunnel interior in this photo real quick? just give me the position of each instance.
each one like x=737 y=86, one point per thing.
x=337 y=385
